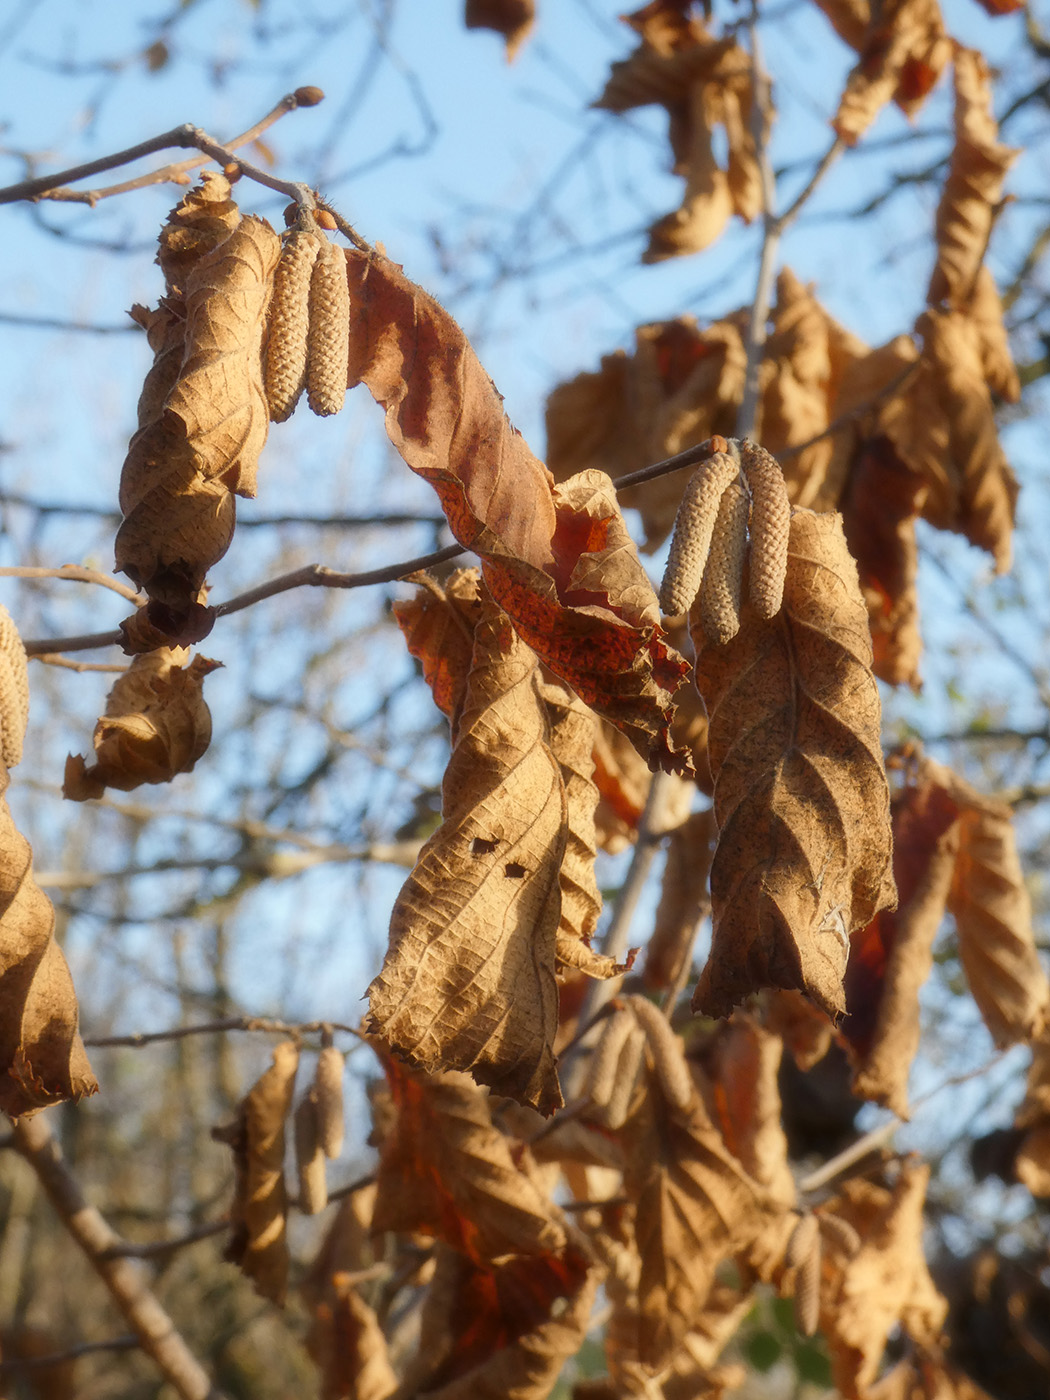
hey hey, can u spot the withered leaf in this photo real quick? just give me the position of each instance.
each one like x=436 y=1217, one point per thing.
x=445 y=1171
x=882 y=503
x=438 y=626
x=902 y=54
x=622 y=778
x=943 y=425
x=559 y=561
x=155 y=726
x=986 y=311
x=695 y=1207
x=805 y=1030
x=42 y=1058
x=203 y=218
x=867 y=1292
x=993 y=916
x=203 y=440
x=890 y=959
x=973 y=189
x=1032 y=1162
x=258 y=1241
x=468 y=979
x=926 y=1374
x=501 y=1332
x=511 y=18
x=348 y=1346
x=801 y=798
x=573 y=729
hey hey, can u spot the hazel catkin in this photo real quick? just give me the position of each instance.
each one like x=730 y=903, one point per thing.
x=328 y=336
x=14 y=691
x=770 y=526
x=723 y=578
x=693 y=527
x=285 y=367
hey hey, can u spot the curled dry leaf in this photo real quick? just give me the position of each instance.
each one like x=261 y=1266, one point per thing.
x=559 y=560
x=993 y=916
x=684 y=902
x=622 y=778
x=573 y=728
x=527 y=1316
x=155 y=726
x=695 y=1207
x=882 y=504
x=42 y=1058
x=258 y=1241
x=902 y=54
x=805 y=1030
x=468 y=979
x=800 y=799
x=203 y=413
x=1032 y=1161
x=446 y=1171
x=943 y=426
x=511 y=18
x=890 y=959
x=438 y=626
x=348 y=1347
x=973 y=189
x=866 y=1293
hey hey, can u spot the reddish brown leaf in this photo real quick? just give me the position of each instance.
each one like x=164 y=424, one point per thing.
x=445 y=1171
x=558 y=560
x=890 y=959
x=801 y=798
x=882 y=503
x=347 y=1344
x=684 y=902
x=503 y=1331
x=902 y=54
x=438 y=626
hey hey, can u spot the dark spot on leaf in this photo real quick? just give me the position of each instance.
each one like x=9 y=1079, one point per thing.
x=482 y=847
x=514 y=871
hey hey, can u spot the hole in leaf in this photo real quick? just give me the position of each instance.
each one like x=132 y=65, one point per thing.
x=480 y=846
x=514 y=871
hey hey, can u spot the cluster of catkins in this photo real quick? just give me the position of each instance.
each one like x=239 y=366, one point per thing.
x=709 y=546
x=308 y=344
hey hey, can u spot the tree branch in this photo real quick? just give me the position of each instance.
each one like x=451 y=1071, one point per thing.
x=78 y=573
x=230 y=1023
x=126 y=1281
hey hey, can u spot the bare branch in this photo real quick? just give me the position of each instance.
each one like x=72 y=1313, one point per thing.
x=78 y=573
x=231 y=1023
x=12 y=1365
x=126 y=1281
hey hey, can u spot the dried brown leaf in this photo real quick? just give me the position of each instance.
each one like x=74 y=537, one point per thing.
x=805 y=1030
x=882 y=503
x=156 y=725
x=205 y=441
x=986 y=312
x=801 y=798
x=902 y=54
x=973 y=189
x=258 y=1241
x=468 y=979
x=203 y=218
x=890 y=959
x=622 y=778
x=707 y=201
x=445 y=1171
x=438 y=626
x=511 y=18
x=559 y=560
x=868 y=1292
x=695 y=1208
x=348 y=1346
x=943 y=425
x=993 y=917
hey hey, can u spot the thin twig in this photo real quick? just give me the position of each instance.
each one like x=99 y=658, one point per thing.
x=13 y=1364
x=264 y=1024
x=77 y=573
x=51 y=659
x=127 y=1282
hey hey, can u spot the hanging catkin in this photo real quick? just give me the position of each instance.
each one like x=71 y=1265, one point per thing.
x=14 y=691
x=627 y=1067
x=693 y=527
x=601 y=1069
x=309 y=1158
x=770 y=525
x=665 y=1050
x=328 y=1095
x=328 y=339
x=285 y=367
x=724 y=575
